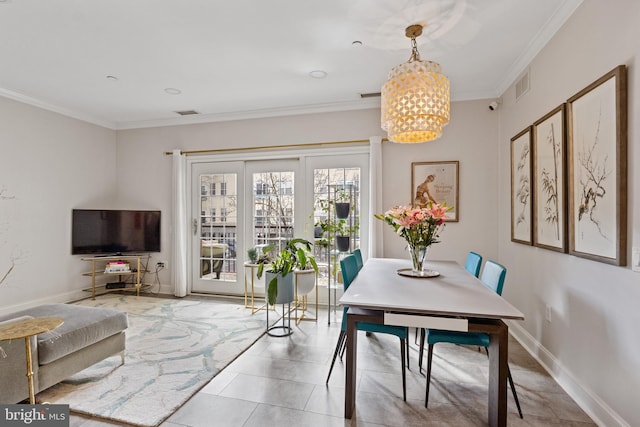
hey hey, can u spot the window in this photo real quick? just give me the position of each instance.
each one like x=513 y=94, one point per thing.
x=213 y=188
x=223 y=188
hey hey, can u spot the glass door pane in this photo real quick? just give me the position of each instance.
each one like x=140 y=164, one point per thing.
x=273 y=208
x=217 y=231
x=331 y=186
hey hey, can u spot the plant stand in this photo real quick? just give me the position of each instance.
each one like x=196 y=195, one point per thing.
x=301 y=300
x=333 y=253
x=283 y=330
x=250 y=271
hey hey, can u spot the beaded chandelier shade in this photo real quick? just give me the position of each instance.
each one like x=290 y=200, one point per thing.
x=415 y=98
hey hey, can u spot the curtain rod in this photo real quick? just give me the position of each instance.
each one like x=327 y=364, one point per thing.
x=271 y=147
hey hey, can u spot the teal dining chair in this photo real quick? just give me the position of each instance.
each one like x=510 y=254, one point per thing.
x=358 y=254
x=473 y=263
x=349 y=267
x=493 y=276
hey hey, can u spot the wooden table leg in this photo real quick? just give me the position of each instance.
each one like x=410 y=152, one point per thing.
x=350 y=380
x=498 y=354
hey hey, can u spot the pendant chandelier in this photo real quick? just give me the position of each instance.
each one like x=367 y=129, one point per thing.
x=415 y=98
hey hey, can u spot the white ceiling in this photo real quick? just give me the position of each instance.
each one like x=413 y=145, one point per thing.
x=252 y=58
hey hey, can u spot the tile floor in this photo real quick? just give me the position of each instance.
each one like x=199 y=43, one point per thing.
x=281 y=382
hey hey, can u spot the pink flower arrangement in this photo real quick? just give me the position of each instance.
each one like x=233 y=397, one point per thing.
x=418 y=226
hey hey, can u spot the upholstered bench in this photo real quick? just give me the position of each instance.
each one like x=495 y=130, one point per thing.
x=87 y=336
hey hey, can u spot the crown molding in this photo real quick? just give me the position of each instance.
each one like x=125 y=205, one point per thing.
x=56 y=109
x=360 y=104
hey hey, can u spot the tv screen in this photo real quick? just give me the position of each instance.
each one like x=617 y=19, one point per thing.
x=100 y=231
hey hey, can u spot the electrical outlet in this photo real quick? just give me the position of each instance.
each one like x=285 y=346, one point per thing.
x=161 y=264
x=548 y=313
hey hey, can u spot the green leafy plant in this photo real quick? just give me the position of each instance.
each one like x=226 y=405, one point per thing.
x=297 y=254
x=342 y=196
x=263 y=257
x=252 y=254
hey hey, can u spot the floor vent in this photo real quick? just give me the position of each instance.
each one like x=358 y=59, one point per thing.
x=522 y=85
x=187 y=112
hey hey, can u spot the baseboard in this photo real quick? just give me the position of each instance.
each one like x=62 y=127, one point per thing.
x=601 y=413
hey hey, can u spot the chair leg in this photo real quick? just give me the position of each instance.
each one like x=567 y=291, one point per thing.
x=421 y=348
x=407 y=347
x=513 y=390
x=343 y=347
x=512 y=385
x=415 y=339
x=404 y=371
x=429 y=357
x=341 y=339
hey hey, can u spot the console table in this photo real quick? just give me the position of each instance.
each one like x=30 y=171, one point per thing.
x=98 y=266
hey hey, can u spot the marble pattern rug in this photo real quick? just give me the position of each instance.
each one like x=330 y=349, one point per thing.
x=173 y=348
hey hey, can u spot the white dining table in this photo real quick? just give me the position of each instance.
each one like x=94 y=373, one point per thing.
x=454 y=300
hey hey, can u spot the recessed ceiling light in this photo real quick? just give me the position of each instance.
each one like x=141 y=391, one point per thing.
x=318 y=74
x=173 y=91
x=356 y=43
x=114 y=78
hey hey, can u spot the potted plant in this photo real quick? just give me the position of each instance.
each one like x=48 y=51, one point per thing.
x=342 y=231
x=342 y=204
x=260 y=255
x=296 y=255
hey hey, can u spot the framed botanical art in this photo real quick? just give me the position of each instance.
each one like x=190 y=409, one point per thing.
x=521 y=195
x=549 y=183
x=436 y=182
x=597 y=122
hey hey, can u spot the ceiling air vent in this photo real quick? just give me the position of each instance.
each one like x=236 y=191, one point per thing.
x=187 y=112
x=522 y=85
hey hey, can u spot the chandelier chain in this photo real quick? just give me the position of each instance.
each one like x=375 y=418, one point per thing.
x=415 y=55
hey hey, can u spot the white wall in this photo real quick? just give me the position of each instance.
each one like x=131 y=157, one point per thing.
x=144 y=172
x=49 y=165
x=592 y=343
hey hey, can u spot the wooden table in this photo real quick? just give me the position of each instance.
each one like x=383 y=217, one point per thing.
x=26 y=329
x=456 y=300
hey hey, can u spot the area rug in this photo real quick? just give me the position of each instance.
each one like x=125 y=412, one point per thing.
x=173 y=348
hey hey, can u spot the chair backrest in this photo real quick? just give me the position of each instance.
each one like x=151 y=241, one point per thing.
x=493 y=275
x=349 y=268
x=358 y=254
x=474 y=261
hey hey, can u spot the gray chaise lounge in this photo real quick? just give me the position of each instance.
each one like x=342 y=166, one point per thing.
x=87 y=336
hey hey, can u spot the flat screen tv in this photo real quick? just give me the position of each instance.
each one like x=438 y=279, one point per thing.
x=104 y=232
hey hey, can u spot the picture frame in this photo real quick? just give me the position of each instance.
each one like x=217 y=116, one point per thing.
x=436 y=181
x=549 y=181
x=521 y=189
x=597 y=169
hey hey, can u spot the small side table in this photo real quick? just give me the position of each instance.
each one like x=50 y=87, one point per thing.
x=26 y=329
x=250 y=272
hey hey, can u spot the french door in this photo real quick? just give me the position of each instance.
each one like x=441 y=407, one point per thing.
x=236 y=205
x=217 y=226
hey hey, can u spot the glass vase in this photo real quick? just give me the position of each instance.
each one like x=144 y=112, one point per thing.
x=418 y=255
